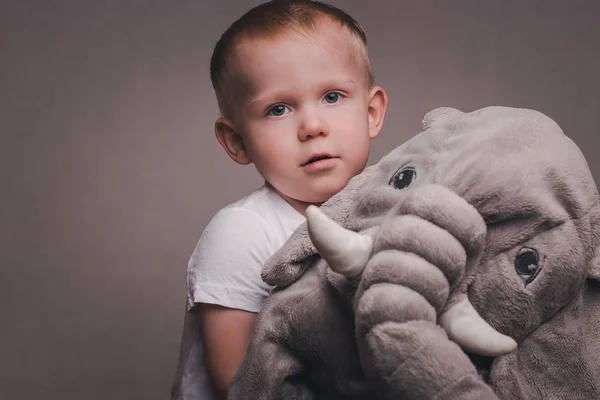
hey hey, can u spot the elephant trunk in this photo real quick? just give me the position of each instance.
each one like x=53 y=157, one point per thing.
x=348 y=252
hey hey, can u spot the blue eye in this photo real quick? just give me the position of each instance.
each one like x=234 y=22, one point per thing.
x=277 y=110
x=332 y=97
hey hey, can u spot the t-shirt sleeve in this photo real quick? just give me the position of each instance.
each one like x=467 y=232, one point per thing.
x=224 y=268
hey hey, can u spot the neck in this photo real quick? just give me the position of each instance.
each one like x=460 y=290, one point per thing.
x=297 y=205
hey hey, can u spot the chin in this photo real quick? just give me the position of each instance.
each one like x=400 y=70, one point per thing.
x=321 y=196
x=483 y=364
x=318 y=191
x=316 y=198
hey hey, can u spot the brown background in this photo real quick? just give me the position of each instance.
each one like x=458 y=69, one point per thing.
x=109 y=168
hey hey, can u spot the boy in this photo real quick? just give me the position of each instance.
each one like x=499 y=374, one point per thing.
x=295 y=90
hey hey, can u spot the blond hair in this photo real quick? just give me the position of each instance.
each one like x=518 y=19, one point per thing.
x=271 y=18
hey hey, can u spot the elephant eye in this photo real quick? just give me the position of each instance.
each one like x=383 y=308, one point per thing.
x=403 y=178
x=527 y=264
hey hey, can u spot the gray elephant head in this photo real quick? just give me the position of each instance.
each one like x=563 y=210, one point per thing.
x=518 y=197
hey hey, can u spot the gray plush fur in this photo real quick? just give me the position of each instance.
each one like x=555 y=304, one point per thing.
x=488 y=184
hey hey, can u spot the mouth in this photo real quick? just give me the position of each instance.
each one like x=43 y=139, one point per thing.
x=317 y=157
x=483 y=365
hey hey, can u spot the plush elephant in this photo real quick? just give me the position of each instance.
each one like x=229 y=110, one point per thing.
x=463 y=265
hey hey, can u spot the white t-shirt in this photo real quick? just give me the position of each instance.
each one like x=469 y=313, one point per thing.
x=224 y=269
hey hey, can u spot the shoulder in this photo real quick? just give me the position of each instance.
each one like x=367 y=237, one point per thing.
x=245 y=234
x=263 y=213
x=247 y=219
x=225 y=266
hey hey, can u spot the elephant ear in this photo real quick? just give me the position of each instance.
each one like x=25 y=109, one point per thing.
x=561 y=359
x=298 y=253
x=438 y=116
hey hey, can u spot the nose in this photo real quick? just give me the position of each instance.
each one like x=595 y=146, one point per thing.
x=312 y=125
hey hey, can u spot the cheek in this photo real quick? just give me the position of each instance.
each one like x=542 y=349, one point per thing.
x=501 y=297
x=351 y=113
x=355 y=142
x=268 y=154
x=269 y=142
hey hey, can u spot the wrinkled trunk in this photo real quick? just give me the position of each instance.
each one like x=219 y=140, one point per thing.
x=412 y=359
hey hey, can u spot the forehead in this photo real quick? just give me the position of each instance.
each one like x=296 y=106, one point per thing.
x=304 y=56
x=502 y=161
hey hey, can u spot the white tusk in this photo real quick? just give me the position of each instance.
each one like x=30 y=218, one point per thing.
x=464 y=326
x=345 y=251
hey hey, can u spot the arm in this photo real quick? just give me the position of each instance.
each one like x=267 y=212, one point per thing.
x=270 y=364
x=226 y=333
x=225 y=287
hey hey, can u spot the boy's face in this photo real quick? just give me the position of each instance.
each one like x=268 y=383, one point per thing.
x=305 y=114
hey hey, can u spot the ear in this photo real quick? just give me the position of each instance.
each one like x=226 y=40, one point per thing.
x=378 y=102
x=438 y=116
x=231 y=141
x=296 y=255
